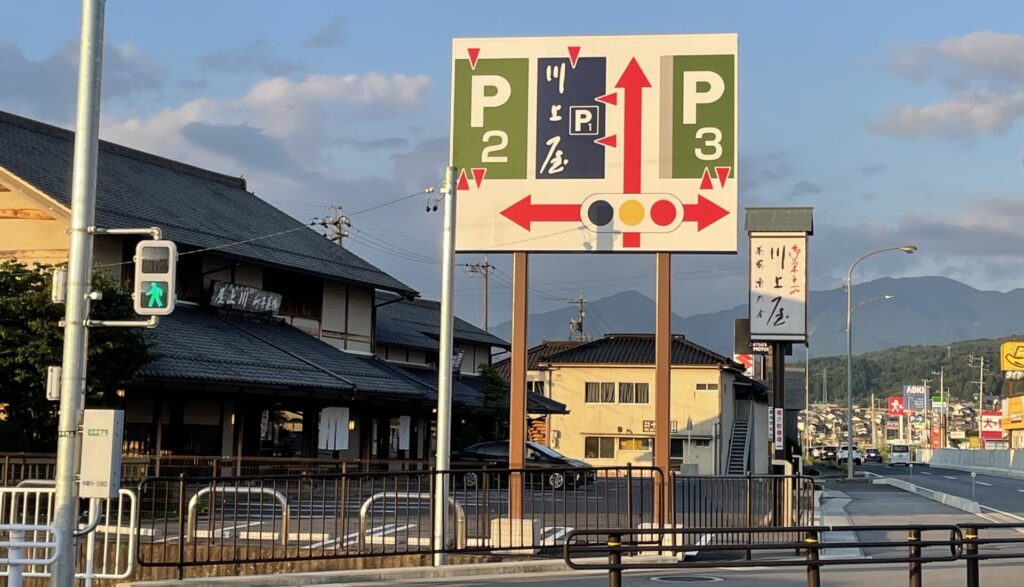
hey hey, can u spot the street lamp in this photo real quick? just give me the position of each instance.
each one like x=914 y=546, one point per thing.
x=849 y=349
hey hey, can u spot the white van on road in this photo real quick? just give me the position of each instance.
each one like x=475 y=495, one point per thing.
x=899 y=454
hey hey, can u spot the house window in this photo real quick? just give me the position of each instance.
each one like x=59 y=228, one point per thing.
x=707 y=387
x=599 y=447
x=634 y=393
x=702 y=442
x=635 y=443
x=600 y=393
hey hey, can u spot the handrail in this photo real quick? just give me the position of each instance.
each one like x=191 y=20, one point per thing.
x=248 y=490
x=460 y=515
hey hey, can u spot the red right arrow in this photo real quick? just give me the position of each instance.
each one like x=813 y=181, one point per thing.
x=704 y=212
x=523 y=212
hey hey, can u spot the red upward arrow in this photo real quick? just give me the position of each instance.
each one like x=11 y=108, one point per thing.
x=633 y=81
x=704 y=212
x=523 y=212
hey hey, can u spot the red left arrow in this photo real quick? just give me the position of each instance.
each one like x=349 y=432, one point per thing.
x=524 y=212
x=704 y=213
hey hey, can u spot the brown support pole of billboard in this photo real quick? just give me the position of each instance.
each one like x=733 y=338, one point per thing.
x=517 y=394
x=662 y=384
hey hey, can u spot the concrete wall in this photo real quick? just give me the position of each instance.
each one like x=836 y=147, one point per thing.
x=617 y=420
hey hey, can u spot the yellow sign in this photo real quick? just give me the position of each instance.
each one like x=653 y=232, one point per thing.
x=1011 y=356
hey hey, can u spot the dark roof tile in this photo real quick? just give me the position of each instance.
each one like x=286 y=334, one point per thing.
x=638 y=349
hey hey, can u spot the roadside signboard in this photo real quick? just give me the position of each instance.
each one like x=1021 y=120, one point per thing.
x=747 y=360
x=778 y=423
x=896 y=406
x=991 y=424
x=1011 y=356
x=778 y=287
x=915 y=398
x=596 y=144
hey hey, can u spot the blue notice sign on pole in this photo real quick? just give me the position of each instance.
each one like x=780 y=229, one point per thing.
x=915 y=398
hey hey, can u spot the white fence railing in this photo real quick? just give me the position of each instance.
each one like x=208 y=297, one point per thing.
x=107 y=546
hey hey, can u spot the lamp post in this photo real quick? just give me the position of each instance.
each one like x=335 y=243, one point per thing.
x=849 y=349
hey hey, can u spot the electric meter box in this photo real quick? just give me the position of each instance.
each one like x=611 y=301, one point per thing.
x=100 y=473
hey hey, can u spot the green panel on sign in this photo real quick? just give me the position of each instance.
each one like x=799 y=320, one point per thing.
x=490 y=112
x=703 y=114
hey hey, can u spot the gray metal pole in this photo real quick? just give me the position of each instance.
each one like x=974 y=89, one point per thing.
x=83 y=213
x=444 y=375
x=849 y=373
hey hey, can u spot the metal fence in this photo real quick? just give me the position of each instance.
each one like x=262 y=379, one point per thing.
x=214 y=520
x=750 y=501
x=107 y=530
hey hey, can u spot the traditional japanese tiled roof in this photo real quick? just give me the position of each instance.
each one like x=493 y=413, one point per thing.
x=207 y=345
x=468 y=391
x=538 y=354
x=638 y=349
x=416 y=324
x=194 y=207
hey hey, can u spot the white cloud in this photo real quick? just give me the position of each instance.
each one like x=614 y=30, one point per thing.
x=965 y=114
x=986 y=69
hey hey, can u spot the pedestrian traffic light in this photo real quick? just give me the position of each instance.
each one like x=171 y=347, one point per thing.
x=155 y=266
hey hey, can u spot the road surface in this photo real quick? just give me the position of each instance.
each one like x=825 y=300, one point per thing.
x=997 y=495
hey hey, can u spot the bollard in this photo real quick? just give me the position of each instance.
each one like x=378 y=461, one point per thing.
x=973 y=477
x=915 y=553
x=614 y=560
x=971 y=551
x=813 y=570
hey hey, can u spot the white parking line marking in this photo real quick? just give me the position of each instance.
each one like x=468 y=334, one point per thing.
x=948 y=477
x=925 y=473
x=1021 y=490
x=983 y=483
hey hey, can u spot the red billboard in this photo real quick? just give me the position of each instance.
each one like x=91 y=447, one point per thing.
x=936 y=435
x=896 y=406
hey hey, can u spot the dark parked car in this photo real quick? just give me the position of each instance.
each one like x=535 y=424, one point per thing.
x=828 y=453
x=555 y=469
x=872 y=455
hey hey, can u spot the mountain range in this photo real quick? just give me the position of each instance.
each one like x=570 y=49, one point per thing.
x=923 y=311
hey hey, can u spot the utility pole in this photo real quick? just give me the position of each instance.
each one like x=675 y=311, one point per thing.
x=945 y=408
x=874 y=426
x=981 y=388
x=928 y=405
x=807 y=400
x=337 y=225
x=483 y=270
x=75 y=355
x=576 y=324
x=824 y=386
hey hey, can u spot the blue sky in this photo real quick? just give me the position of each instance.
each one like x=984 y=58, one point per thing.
x=898 y=122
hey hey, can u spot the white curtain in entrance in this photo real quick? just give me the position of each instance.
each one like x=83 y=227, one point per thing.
x=333 y=429
x=404 y=428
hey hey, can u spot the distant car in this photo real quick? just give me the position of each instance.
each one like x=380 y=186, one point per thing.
x=828 y=453
x=872 y=455
x=899 y=454
x=842 y=455
x=555 y=470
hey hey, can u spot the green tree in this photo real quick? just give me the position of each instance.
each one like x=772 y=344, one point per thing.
x=31 y=339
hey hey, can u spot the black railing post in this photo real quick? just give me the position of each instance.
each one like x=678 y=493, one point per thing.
x=813 y=569
x=181 y=526
x=971 y=552
x=629 y=494
x=915 y=555
x=750 y=509
x=614 y=560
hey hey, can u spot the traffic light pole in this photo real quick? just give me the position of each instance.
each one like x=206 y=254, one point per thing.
x=83 y=213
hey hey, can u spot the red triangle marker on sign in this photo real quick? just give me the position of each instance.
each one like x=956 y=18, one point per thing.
x=705 y=183
x=574 y=55
x=608 y=141
x=473 y=55
x=463 y=185
x=612 y=98
x=723 y=174
x=478 y=175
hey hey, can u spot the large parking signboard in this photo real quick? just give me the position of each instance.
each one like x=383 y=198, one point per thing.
x=596 y=144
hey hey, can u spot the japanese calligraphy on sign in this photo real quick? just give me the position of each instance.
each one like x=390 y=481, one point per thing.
x=245 y=298
x=778 y=287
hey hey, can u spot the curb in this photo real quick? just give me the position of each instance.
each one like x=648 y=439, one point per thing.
x=961 y=503
x=374 y=575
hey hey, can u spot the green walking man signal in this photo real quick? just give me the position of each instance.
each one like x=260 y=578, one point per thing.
x=155 y=268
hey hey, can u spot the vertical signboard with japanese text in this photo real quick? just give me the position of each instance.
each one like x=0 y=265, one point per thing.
x=915 y=398
x=778 y=287
x=596 y=144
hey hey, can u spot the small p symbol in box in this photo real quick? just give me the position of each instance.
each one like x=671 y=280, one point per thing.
x=585 y=120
